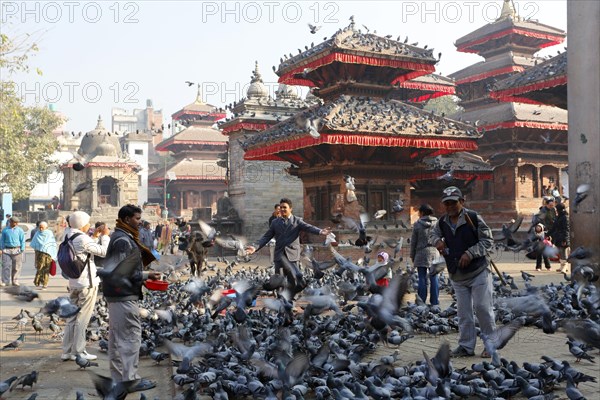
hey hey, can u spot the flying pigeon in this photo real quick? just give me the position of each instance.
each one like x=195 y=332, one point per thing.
x=314 y=28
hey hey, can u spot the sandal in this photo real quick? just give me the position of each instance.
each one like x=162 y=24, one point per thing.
x=141 y=385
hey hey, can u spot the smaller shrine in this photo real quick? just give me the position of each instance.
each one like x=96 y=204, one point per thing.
x=192 y=179
x=99 y=176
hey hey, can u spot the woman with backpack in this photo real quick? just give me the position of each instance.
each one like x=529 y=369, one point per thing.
x=83 y=289
x=423 y=254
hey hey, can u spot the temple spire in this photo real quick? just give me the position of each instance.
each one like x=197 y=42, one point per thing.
x=508 y=11
x=99 y=124
x=256 y=76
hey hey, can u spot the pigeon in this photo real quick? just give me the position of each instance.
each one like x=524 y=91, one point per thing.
x=186 y=354
x=107 y=388
x=6 y=384
x=581 y=193
x=23 y=293
x=189 y=83
x=84 y=363
x=507 y=232
x=499 y=338
x=15 y=344
x=398 y=206
x=379 y=214
x=579 y=353
x=314 y=28
x=26 y=380
x=61 y=306
x=208 y=232
x=82 y=186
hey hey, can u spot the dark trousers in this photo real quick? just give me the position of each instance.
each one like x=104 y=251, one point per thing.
x=538 y=261
x=291 y=270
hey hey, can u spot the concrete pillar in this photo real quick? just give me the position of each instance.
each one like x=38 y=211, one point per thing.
x=583 y=21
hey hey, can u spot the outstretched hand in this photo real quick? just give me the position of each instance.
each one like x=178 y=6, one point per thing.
x=250 y=250
x=325 y=231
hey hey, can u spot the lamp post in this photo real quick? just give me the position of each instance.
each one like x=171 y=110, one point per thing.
x=170 y=176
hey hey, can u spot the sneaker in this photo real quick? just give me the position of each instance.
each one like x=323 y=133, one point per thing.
x=67 y=357
x=44 y=288
x=86 y=356
x=538 y=269
x=462 y=352
x=2 y=284
x=16 y=284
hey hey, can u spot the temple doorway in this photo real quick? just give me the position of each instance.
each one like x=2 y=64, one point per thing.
x=108 y=192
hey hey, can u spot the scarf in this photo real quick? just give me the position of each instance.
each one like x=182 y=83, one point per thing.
x=147 y=256
x=44 y=241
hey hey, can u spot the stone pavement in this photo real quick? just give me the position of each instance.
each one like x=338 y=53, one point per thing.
x=60 y=380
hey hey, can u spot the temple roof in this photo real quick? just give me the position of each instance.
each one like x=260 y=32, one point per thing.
x=427 y=87
x=500 y=64
x=351 y=46
x=511 y=27
x=527 y=85
x=509 y=115
x=200 y=134
x=198 y=107
x=364 y=121
x=188 y=169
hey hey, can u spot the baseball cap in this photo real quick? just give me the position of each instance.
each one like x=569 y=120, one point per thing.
x=452 y=193
x=14 y=219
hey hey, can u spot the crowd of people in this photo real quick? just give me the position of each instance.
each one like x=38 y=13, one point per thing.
x=460 y=236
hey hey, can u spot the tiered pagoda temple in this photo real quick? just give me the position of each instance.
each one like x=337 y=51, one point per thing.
x=525 y=143
x=359 y=130
x=193 y=179
x=255 y=186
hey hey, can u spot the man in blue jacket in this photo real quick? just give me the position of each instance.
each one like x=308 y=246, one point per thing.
x=12 y=246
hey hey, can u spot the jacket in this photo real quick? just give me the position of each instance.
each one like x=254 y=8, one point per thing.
x=122 y=275
x=84 y=246
x=560 y=230
x=287 y=236
x=421 y=252
x=479 y=243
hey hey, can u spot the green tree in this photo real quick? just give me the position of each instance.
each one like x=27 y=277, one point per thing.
x=27 y=143
x=448 y=105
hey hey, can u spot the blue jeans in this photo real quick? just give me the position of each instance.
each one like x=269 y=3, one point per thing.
x=422 y=291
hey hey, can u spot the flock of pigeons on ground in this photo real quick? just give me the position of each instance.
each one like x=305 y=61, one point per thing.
x=268 y=341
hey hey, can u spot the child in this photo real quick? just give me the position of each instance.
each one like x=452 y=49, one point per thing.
x=540 y=235
x=382 y=259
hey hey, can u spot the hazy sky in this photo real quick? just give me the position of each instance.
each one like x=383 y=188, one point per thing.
x=99 y=55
